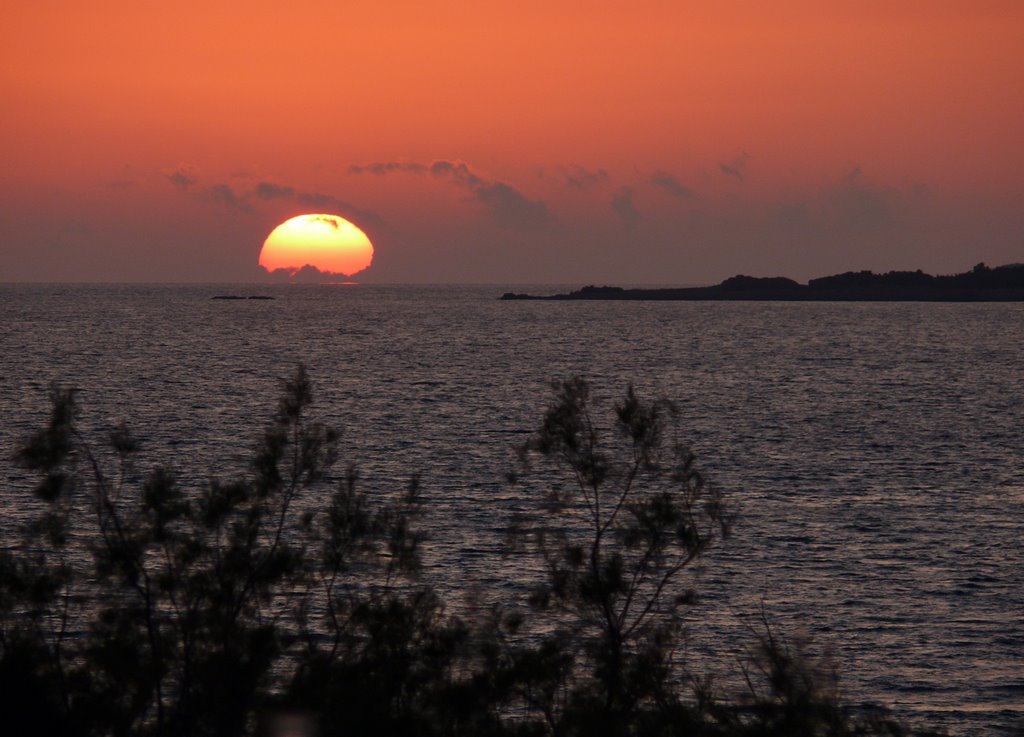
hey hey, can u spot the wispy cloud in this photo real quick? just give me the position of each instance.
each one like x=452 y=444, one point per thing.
x=737 y=167
x=858 y=204
x=307 y=274
x=225 y=195
x=388 y=167
x=670 y=184
x=318 y=201
x=578 y=177
x=271 y=191
x=242 y=197
x=183 y=177
x=622 y=204
x=509 y=207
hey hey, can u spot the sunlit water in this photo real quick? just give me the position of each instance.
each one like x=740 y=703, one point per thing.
x=876 y=450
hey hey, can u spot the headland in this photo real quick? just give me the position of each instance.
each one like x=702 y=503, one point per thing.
x=980 y=284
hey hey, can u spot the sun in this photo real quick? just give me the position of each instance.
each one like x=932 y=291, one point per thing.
x=329 y=242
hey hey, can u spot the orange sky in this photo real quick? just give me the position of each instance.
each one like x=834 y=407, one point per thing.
x=534 y=141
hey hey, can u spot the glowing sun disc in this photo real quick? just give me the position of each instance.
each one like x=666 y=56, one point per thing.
x=329 y=242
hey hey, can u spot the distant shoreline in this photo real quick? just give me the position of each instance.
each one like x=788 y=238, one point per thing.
x=981 y=284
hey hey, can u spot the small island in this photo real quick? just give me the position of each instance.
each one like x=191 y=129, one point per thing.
x=239 y=296
x=980 y=284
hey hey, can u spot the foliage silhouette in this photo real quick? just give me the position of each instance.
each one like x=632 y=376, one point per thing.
x=614 y=540
x=136 y=606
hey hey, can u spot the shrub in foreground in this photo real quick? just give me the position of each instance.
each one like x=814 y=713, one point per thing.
x=135 y=606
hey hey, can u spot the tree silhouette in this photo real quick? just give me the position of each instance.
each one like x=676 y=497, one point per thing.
x=625 y=514
x=137 y=605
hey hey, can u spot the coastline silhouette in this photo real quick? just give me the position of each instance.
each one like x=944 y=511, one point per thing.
x=980 y=284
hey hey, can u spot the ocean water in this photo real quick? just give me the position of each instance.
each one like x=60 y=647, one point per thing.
x=875 y=450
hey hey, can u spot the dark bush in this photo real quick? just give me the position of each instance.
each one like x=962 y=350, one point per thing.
x=289 y=597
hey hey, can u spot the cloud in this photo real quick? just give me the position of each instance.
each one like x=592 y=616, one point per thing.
x=852 y=208
x=737 y=168
x=321 y=201
x=670 y=184
x=857 y=204
x=622 y=204
x=328 y=220
x=271 y=191
x=325 y=201
x=225 y=195
x=388 y=167
x=509 y=207
x=183 y=177
x=459 y=172
x=308 y=274
x=577 y=177
x=312 y=275
x=317 y=200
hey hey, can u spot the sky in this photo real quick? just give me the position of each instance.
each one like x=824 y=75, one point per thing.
x=526 y=142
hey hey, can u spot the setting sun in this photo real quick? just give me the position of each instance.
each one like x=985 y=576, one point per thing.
x=328 y=242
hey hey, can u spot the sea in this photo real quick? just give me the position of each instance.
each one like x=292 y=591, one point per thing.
x=874 y=452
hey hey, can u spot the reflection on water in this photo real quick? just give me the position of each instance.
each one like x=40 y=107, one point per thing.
x=876 y=450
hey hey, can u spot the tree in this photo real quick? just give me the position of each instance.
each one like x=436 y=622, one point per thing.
x=135 y=605
x=625 y=514
x=192 y=607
